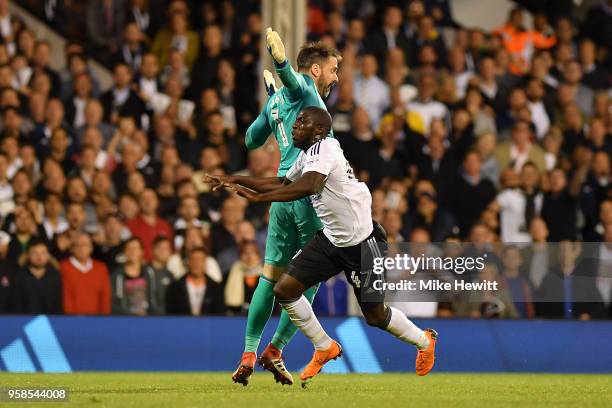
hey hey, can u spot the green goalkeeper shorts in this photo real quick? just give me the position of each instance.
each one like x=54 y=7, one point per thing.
x=292 y=225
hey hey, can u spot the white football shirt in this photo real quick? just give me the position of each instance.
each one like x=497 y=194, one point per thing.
x=344 y=204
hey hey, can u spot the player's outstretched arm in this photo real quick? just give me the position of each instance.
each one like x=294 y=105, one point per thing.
x=285 y=71
x=310 y=183
x=258 y=132
x=258 y=184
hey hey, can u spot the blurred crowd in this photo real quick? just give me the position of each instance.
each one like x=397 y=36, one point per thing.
x=461 y=134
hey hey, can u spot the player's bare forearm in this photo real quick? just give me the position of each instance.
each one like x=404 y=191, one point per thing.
x=309 y=183
x=258 y=184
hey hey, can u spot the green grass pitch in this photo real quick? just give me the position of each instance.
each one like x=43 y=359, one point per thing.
x=353 y=390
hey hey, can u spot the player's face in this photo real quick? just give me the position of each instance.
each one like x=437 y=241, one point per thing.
x=328 y=77
x=302 y=131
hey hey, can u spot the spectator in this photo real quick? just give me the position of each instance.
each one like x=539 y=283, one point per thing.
x=121 y=100
x=430 y=216
x=189 y=217
x=568 y=290
x=37 y=288
x=194 y=294
x=597 y=25
x=203 y=72
x=517 y=285
x=134 y=288
x=560 y=204
x=54 y=221
x=105 y=22
x=471 y=194
x=109 y=240
x=93 y=118
x=243 y=277
x=583 y=95
x=245 y=233
x=139 y=12
x=85 y=281
x=537 y=108
x=194 y=238
x=177 y=37
x=147 y=81
x=519 y=150
x=25 y=230
x=594 y=76
x=539 y=256
x=222 y=233
x=132 y=50
x=424 y=107
x=393 y=224
x=162 y=250
x=41 y=64
x=519 y=205
x=437 y=164
x=148 y=225
x=388 y=37
x=493 y=304
x=520 y=42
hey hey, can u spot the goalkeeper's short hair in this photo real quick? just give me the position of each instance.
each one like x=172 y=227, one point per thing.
x=316 y=53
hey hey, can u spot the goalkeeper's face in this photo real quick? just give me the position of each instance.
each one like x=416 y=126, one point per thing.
x=328 y=76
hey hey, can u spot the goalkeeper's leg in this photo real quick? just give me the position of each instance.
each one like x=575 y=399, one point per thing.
x=305 y=224
x=281 y=245
x=260 y=310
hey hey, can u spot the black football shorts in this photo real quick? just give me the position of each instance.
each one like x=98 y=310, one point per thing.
x=320 y=260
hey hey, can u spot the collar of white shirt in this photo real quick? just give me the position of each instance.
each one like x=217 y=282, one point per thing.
x=84 y=268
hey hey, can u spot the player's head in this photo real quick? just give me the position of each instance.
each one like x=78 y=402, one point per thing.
x=312 y=124
x=320 y=61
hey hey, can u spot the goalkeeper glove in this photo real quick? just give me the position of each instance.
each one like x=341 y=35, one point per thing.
x=269 y=82
x=275 y=46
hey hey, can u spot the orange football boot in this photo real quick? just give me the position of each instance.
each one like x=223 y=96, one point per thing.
x=319 y=358
x=425 y=358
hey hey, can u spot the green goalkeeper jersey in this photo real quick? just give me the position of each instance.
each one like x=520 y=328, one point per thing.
x=279 y=114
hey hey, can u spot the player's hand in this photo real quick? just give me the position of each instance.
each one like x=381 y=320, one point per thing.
x=269 y=82
x=216 y=181
x=275 y=46
x=243 y=191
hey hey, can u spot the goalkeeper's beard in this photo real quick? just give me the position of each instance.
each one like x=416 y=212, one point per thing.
x=324 y=90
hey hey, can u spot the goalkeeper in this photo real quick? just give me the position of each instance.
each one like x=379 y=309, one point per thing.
x=291 y=224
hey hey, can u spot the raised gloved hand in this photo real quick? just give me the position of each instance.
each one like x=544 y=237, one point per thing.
x=275 y=46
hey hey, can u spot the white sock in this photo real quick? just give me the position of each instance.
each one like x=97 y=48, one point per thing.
x=402 y=328
x=301 y=314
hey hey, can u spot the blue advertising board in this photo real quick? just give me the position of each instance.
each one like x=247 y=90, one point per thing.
x=79 y=343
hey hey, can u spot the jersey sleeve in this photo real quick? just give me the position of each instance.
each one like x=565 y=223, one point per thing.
x=321 y=157
x=295 y=171
x=294 y=82
x=258 y=132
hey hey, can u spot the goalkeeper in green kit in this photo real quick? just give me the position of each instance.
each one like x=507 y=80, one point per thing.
x=292 y=224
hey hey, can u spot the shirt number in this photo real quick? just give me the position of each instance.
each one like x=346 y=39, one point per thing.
x=355 y=279
x=281 y=128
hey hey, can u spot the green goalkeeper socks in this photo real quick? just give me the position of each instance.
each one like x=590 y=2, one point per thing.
x=286 y=329
x=260 y=310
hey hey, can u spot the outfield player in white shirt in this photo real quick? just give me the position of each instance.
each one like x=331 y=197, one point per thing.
x=344 y=206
